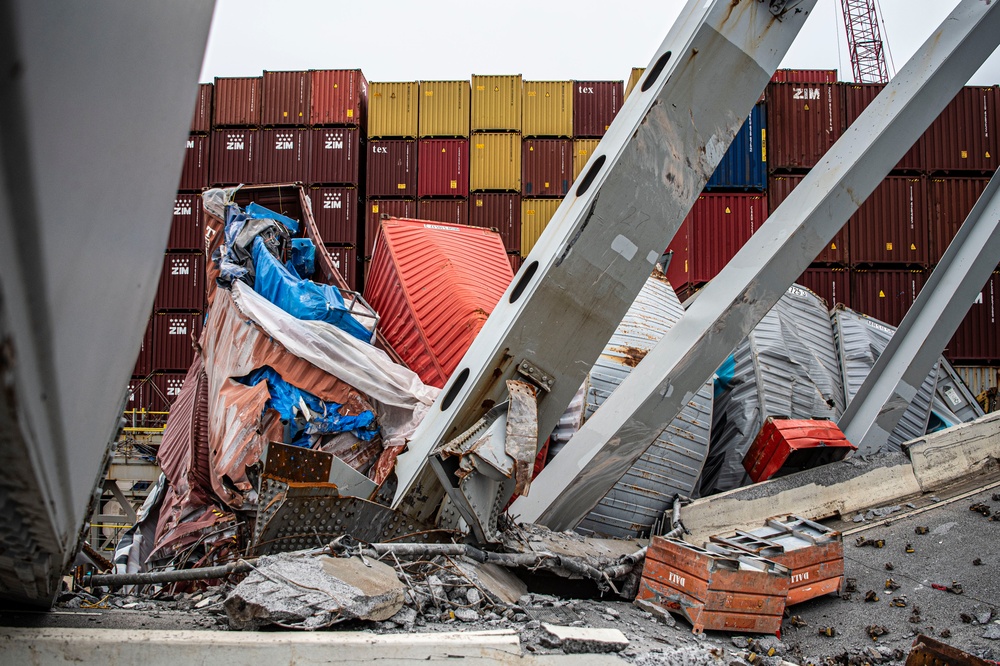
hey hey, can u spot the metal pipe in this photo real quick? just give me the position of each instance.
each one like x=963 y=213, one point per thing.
x=175 y=576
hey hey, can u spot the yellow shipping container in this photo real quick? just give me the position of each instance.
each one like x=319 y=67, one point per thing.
x=392 y=110
x=496 y=103
x=633 y=79
x=495 y=162
x=582 y=150
x=535 y=216
x=444 y=108
x=547 y=108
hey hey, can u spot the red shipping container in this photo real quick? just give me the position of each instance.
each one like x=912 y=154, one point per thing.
x=194 y=173
x=186 y=230
x=857 y=97
x=237 y=102
x=546 y=167
x=886 y=294
x=803 y=121
x=335 y=210
x=595 y=105
x=804 y=76
x=778 y=189
x=434 y=286
x=173 y=337
x=144 y=361
x=720 y=225
x=376 y=209
x=891 y=225
x=978 y=336
x=285 y=98
x=501 y=212
x=833 y=285
x=345 y=260
x=201 y=123
x=679 y=268
x=339 y=97
x=392 y=168
x=166 y=387
x=451 y=211
x=335 y=156
x=284 y=155
x=236 y=154
x=147 y=394
x=443 y=168
x=181 y=283
x=949 y=202
x=515 y=260
x=793 y=445
x=964 y=136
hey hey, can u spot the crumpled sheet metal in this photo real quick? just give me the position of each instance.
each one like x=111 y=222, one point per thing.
x=522 y=432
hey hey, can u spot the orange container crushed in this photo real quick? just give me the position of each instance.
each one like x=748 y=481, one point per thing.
x=814 y=553
x=433 y=286
x=715 y=588
x=792 y=445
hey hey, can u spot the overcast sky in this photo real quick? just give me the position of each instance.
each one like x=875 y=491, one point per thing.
x=406 y=40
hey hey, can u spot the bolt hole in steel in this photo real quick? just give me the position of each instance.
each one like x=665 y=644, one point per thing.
x=655 y=70
x=527 y=273
x=455 y=388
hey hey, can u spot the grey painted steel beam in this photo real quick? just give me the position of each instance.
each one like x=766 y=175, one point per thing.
x=731 y=305
x=927 y=327
x=603 y=241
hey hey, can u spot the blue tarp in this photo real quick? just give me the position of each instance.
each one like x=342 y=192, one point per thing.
x=260 y=213
x=303 y=257
x=724 y=376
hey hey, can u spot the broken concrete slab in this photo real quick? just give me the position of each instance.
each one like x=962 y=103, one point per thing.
x=582 y=640
x=956 y=453
x=494 y=579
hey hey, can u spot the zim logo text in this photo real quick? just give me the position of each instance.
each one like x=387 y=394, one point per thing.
x=177 y=327
x=332 y=143
x=805 y=93
x=284 y=142
x=181 y=209
x=234 y=144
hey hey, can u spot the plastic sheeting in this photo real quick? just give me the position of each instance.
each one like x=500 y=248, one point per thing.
x=303 y=257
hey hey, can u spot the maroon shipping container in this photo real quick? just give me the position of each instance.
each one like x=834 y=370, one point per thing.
x=339 y=97
x=885 y=294
x=237 y=102
x=679 y=250
x=186 y=230
x=166 y=386
x=335 y=156
x=194 y=173
x=546 y=167
x=376 y=208
x=978 y=336
x=443 y=168
x=891 y=225
x=720 y=225
x=964 y=136
x=778 y=189
x=181 y=283
x=335 y=210
x=804 y=76
x=803 y=121
x=173 y=334
x=515 y=260
x=285 y=98
x=595 y=105
x=857 y=97
x=832 y=284
x=284 y=155
x=501 y=212
x=144 y=361
x=236 y=154
x=451 y=211
x=949 y=202
x=345 y=260
x=392 y=168
x=201 y=123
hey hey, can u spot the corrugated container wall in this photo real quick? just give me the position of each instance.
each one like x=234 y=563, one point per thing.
x=501 y=212
x=805 y=120
x=345 y=260
x=546 y=167
x=285 y=98
x=547 y=109
x=173 y=334
x=335 y=210
x=744 y=166
x=891 y=225
x=679 y=252
x=237 y=102
x=582 y=150
x=720 y=225
x=284 y=155
x=391 y=168
x=965 y=137
x=886 y=294
x=339 y=97
x=515 y=261
x=201 y=122
x=857 y=97
x=236 y=153
x=979 y=378
x=335 y=156
x=535 y=216
x=449 y=211
x=978 y=336
x=376 y=209
x=804 y=76
x=186 y=230
x=194 y=173
x=595 y=105
x=168 y=387
x=949 y=202
x=778 y=189
x=443 y=169
x=444 y=109
x=496 y=103
x=495 y=162
x=832 y=284
x=144 y=361
x=182 y=285
x=392 y=109
x=633 y=79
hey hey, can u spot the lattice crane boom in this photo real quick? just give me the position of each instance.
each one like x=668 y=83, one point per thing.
x=864 y=41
